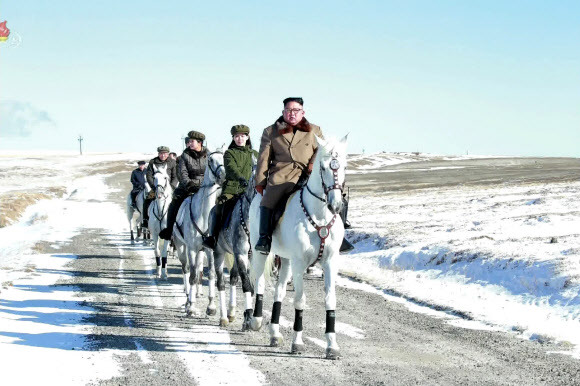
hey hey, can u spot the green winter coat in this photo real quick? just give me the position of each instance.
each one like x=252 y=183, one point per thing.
x=238 y=164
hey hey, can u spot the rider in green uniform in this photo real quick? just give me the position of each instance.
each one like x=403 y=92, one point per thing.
x=238 y=164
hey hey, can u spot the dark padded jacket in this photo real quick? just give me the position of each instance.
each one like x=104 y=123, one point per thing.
x=191 y=169
x=171 y=171
x=138 y=179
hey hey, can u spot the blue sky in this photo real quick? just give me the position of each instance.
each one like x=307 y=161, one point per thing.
x=447 y=77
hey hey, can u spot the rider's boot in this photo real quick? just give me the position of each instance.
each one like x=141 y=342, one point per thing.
x=346 y=246
x=146 y=204
x=216 y=223
x=166 y=233
x=265 y=241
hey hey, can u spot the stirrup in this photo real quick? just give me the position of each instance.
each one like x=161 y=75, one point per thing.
x=165 y=234
x=209 y=242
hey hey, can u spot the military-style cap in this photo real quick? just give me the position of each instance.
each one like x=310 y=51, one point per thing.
x=196 y=135
x=141 y=163
x=163 y=149
x=240 y=129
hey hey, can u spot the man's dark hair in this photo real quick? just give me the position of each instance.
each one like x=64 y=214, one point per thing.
x=187 y=139
x=294 y=99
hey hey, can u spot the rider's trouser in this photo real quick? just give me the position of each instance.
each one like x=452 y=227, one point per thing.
x=134 y=194
x=146 y=204
x=178 y=198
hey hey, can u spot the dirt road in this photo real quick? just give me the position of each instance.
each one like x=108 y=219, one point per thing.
x=382 y=342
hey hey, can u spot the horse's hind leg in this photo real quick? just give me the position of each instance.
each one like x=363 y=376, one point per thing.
x=190 y=308
x=276 y=338
x=330 y=273
x=233 y=283
x=211 y=307
x=181 y=251
x=242 y=263
x=221 y=286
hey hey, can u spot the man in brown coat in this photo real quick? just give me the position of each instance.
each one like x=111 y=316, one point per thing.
x=287 y=150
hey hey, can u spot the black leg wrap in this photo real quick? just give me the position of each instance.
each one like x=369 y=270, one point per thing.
x=163 y=262
x=330 y=319
x=158 y=260
x=276 y=312
x=298 y=320
x=258 y=306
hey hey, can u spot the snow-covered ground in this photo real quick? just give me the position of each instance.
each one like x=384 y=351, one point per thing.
x=47 y=327
x=505 y=256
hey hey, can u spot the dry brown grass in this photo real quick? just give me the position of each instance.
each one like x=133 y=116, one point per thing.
x=13 y=204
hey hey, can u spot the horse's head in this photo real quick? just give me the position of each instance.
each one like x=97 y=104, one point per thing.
x=215 y=170
x=330 y=164
x=161 y=181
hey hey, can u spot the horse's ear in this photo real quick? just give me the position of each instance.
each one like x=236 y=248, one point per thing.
x=320 y=141
x=343 y=140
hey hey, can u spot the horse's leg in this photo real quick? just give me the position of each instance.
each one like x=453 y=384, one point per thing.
x=199 y=262
x=164 y=245
x=157 y=254
x=221 y=285
x=233 y=283
x=276 y=338
x=192 y=259
x=330 y=273
x=243 y=269
x=257 y=317
x=211 y=307
x=181 y=251
x=299 y=302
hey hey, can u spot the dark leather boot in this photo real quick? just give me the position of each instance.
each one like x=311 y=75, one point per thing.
x=346 y=246
x=265 y=241
x=216 y=222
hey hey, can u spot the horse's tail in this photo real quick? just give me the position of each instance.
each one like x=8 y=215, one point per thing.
x=268 y=264
x=229 y=260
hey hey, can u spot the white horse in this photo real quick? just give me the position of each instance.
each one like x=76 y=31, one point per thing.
x=135 y=215
x=310 y=230
x=191 y=225
x=158 y=217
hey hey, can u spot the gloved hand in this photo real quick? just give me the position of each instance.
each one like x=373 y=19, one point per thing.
x=192 y=186
x=260 y=189
x=243 y=182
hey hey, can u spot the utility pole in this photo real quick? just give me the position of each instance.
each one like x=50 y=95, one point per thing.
x=81 y=144
x=183 y=142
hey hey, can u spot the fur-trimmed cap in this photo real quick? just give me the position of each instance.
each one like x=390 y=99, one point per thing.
x=141 y=163
x=240 y=129
x=196 y=135
x=162 y=149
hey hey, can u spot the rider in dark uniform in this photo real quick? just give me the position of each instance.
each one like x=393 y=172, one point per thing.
x=190 y=173
x=138 y=181
x=161 y=159
x=238 y=164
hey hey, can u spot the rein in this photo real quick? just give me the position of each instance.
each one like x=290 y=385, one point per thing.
x=244 y=225
x=323 y=230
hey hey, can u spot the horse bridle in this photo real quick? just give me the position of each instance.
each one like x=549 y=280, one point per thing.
x=324 y=230
x=214 y=172
x=334 y=166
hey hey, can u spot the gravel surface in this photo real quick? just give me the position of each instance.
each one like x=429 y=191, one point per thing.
x=144 y=319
